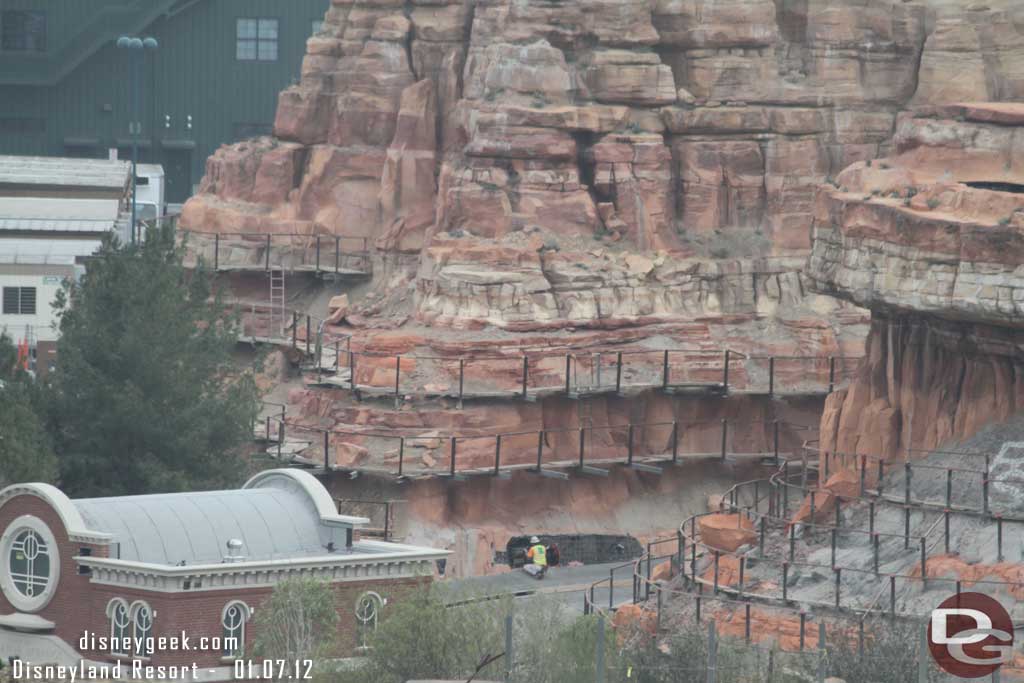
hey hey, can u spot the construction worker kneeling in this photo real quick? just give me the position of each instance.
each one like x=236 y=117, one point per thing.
x=538 y=556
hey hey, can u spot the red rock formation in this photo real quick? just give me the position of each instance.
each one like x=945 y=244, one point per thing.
x=677 y=126
x=930 y=240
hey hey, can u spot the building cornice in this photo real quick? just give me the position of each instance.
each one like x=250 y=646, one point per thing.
x=403 y=562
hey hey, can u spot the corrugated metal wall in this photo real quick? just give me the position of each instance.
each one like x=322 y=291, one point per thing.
x=193 y=73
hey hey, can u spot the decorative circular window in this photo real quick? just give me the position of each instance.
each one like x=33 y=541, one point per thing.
x=31 y=564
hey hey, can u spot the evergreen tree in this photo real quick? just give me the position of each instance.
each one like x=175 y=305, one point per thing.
x=26 y=451
x=145 y=397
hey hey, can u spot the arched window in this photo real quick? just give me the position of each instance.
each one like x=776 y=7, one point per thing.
x=120 y=633
x=30 y=563
x=368 y=608
x=142 y=629
x=232 y=622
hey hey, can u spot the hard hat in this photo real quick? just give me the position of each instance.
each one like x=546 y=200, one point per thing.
x=534 y=539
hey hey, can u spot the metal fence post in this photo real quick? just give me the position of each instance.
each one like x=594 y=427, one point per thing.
x=599 y=672
x=923 y=656
x=725 y=435
x=216 y=251
x=618 y=372
x=831 y=374
x=821 y=652
x=712 y=652
x=526 y=372
x=771 y=376
x=508 y=647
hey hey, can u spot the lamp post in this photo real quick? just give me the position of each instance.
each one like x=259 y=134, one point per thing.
x=136 y=57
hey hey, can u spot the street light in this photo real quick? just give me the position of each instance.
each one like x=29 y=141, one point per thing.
x=136 y=53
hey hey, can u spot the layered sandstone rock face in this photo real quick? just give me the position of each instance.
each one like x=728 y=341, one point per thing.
x=932 y=241
x=543 y=130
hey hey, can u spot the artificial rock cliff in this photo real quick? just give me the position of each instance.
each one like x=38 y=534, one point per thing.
x=546 y=131
x=931 y=240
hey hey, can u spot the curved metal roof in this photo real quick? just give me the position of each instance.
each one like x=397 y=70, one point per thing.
x=279 y=519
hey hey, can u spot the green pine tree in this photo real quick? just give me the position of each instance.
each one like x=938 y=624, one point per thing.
x=26 y=451
x=145 y=396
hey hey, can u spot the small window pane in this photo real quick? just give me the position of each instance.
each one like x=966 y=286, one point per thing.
x=268 y=28
x=245 y=49
x=28 y=300
x=268 y=51
x=246 y=28
x=11 y=298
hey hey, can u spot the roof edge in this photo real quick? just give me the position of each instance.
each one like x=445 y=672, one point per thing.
x=314 y=490
x=74 y=525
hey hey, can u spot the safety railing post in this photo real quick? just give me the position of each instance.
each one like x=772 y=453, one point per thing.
x=725 y=372
x=337 y=255
x=839 y=573
x=568 y=372
x=785 y=582
x=725 y=435
x=664 y=370
x=317 y=267
x=771 y=376
x=831 y=374
x=647 y=584
x=266 y=262
x=945 y=523
x=309 y=332
x=398 y=374
x=984 y=487
x=497 y=454
x=999 y=538
x=216 y=251
x=675 y=442
x=909 y=473
x=875 y=544
x=453 y=440
x=863 y=473
x=295 y=329
x=924 y=563
x=351 y=371
x=949 y=488
x=327 y=451
x=462 y=375
x=526 y=372
x=540 y=448
x=618 y=372
x=401 y=454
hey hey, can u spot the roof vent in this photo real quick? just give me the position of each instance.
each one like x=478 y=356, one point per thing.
x=234 y=551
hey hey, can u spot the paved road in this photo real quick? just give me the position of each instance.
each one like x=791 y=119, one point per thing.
x=567 y=585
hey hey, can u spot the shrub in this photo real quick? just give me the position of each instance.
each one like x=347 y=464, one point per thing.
x=933 y=203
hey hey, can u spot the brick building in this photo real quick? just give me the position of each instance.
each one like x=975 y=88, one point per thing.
x=199 y=563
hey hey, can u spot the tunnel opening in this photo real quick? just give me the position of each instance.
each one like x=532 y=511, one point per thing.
x=582 y=548
x=996 y=186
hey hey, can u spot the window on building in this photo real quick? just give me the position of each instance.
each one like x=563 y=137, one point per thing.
x=142 y=629
x=318 y=26
x=232 y=623
x=120 y=622
x=256 y=40
x=368 y=608
x=23 y=30
x=30 y=563
x=19 y=301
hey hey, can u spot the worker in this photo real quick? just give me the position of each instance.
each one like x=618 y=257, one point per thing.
x=538 y=555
